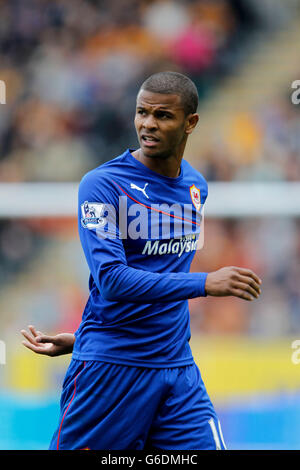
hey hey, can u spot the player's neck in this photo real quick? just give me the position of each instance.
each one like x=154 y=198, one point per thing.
x=164 y=166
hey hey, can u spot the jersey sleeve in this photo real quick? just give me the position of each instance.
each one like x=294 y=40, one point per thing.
x=104 y=251
x=204 y=189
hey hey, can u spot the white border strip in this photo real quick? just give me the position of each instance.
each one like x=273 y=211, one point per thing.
x=224 y=199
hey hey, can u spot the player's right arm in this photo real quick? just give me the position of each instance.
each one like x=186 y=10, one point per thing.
x=106 y=256
x=116 y=281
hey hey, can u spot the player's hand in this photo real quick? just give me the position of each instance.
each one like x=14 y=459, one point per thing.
x=48 y=345
x=239 y=282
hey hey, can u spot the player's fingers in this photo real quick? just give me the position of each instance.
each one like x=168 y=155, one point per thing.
x=45 y=339
x=250 y=281
x=248 y=272
x=242 y=294
x=247 y=288
x=33 y=330
x=32 y=347
x=28 y=337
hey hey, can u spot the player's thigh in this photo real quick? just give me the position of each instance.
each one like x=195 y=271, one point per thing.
x=106 y=406
x=186 y=419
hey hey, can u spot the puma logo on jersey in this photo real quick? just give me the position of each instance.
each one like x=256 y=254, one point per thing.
x=143 y=190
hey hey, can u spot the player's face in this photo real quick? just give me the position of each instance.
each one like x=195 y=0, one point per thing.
x=161 y=124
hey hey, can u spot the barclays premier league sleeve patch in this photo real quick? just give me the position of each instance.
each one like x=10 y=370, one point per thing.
x=92 y=215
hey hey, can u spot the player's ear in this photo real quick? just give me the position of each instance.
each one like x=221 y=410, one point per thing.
x=191 y=122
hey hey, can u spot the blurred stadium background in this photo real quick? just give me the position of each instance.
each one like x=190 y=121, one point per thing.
x=72 y=70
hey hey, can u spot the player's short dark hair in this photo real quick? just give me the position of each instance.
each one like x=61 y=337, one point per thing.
x=177 y=84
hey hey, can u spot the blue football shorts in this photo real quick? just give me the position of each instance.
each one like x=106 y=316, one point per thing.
x=108 y=406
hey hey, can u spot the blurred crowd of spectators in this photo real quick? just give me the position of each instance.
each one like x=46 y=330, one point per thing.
x=259 y=145
x=73 y=69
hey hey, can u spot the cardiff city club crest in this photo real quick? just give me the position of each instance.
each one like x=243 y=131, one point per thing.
x=195 y=195
x=92 y=213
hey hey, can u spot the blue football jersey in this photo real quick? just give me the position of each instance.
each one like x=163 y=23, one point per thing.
x=139 y=231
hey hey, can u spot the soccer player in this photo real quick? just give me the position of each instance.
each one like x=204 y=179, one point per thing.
x=132 y=382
